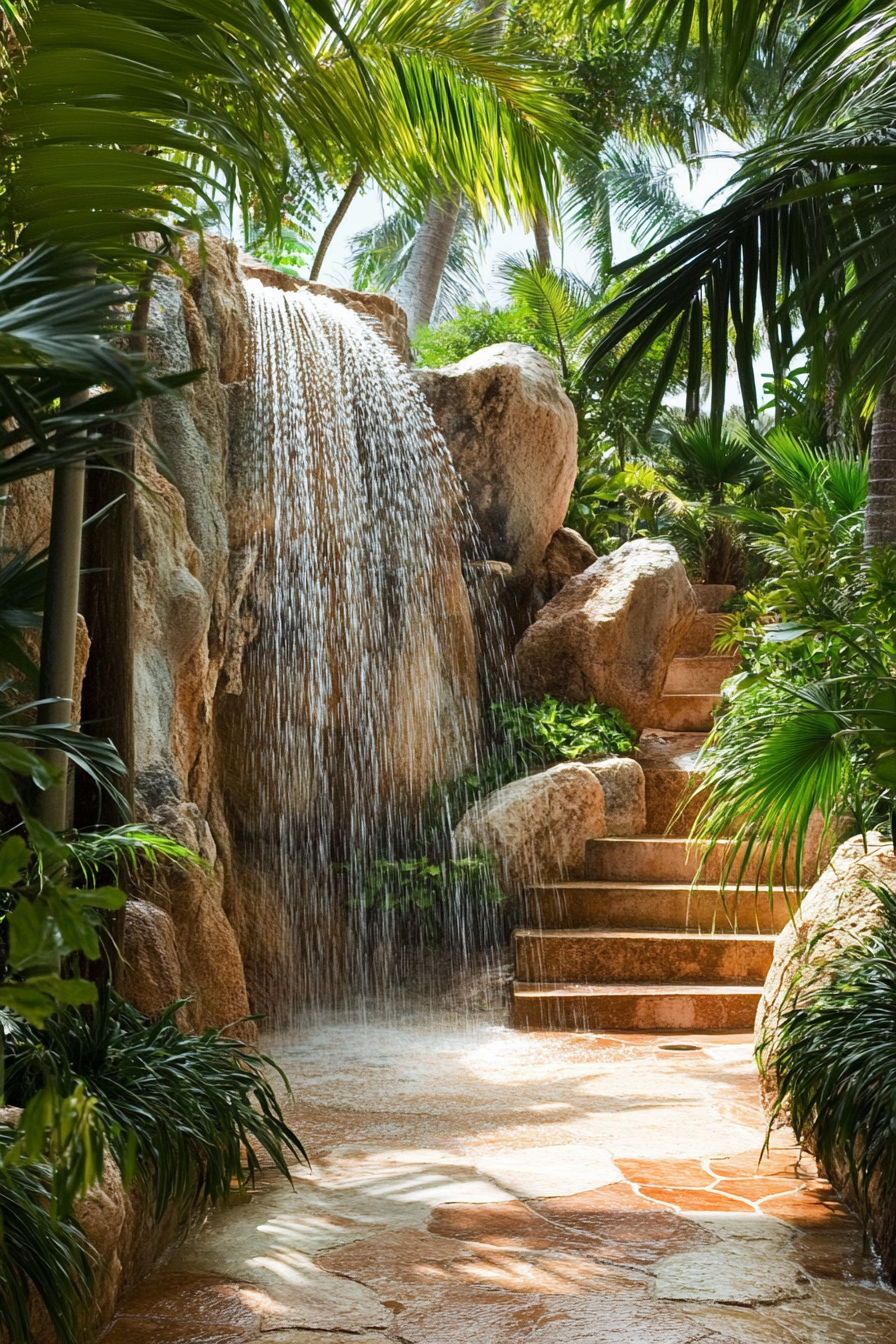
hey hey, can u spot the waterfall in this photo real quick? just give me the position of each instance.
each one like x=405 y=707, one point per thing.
x=361 y=687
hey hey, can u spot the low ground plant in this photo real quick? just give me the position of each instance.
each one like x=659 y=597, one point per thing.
x=426 y=890
x=547 y=731
x=185 y=1112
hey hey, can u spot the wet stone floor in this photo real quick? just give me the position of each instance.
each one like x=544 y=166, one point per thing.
x=473 y=1184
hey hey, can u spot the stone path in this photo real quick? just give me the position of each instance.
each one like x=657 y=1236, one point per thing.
x=472 y=1185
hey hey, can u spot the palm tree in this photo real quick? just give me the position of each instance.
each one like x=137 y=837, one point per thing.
x=452 y=106
x=122 y=126
x=807 y=237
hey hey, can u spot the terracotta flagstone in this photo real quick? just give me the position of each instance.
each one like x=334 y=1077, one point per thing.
x=651 y=1218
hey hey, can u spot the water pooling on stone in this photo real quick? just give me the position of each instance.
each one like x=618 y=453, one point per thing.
x=361 y=688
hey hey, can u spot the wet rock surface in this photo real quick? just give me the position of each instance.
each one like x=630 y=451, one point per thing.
x=472 y=1184
x=611 y=632
x=536 y=826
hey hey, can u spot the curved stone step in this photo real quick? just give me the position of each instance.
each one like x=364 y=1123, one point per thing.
x=699 y=675
x=701 y=634
x=570 y=1007
x=620 y=957
x=659 y=858
x=666 y=906
x=687 y=713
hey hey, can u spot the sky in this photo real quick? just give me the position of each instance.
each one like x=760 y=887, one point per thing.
x=368 y=208
x=706 y=191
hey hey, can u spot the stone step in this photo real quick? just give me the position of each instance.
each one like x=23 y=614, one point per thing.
x=687 y=713
x=710 y=596
x=701 y=635
x=664 y=791
x=633 y=956
x=658 y=858
x=669 y=906
x=716 y=1008
x=699 y=676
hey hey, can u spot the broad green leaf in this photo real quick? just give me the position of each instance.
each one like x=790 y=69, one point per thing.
x=14 y=858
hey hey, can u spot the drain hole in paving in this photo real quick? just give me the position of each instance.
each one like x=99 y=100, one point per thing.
x=679 y=1045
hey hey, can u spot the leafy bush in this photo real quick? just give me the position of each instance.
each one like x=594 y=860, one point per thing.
x=177 y=1109
x=554 y=731
x=833 y=1051
x=422 y=887
x=471 y=330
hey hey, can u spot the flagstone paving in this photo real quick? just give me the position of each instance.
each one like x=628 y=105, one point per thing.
x=472 y=1185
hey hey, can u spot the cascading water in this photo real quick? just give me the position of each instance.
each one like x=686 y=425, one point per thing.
x=361 y=688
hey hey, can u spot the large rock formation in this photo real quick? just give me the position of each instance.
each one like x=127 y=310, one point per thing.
x=512 y=433
x=200 y=599
x=536 y=828
x=839 y=910
x=611 y=632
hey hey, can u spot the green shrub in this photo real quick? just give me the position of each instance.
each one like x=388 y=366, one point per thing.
x=554 y=731
x=186 y=1112
x=472 y=330
x=422 y=887
x=39 y=1252
x=833 y=1050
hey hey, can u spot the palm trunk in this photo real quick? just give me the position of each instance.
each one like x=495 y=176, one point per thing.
x=418 y=288
x=107 y=696
x=60 y=629
x=542 y=240
x=351 y=191
x=880 y=510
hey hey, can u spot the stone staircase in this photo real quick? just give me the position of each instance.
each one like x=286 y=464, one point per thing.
x=636 y=946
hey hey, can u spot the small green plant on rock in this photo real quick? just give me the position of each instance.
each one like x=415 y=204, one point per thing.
x=554 y=731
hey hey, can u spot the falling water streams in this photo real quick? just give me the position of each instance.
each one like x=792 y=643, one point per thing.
x=361 y=686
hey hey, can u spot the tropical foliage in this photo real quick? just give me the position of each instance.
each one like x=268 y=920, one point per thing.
x=184 y=1113
x=811 y=720
x=830 y=1050
x=549 y=731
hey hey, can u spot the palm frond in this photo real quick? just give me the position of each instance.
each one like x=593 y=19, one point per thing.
x=380 y=256
x=641 y=188
x=771 y=763
x=559 y=301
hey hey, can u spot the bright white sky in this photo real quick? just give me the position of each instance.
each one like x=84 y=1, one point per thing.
x=368 y=208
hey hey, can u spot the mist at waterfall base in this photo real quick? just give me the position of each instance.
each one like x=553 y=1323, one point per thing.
x=361 y=690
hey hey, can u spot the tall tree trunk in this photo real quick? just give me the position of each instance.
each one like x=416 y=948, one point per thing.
x=542 y=240
x=418 y=288
x=355 y=183
x=107 y=597
x=60 y=628
x=880 y=510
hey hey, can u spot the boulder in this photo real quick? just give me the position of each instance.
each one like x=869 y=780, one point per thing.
x=840 y=909
x=512 y=433
x=611 y=632
x=149 y=976
x=178 y=933
x=568 y=553
x=625 y=807
x=536 y=828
